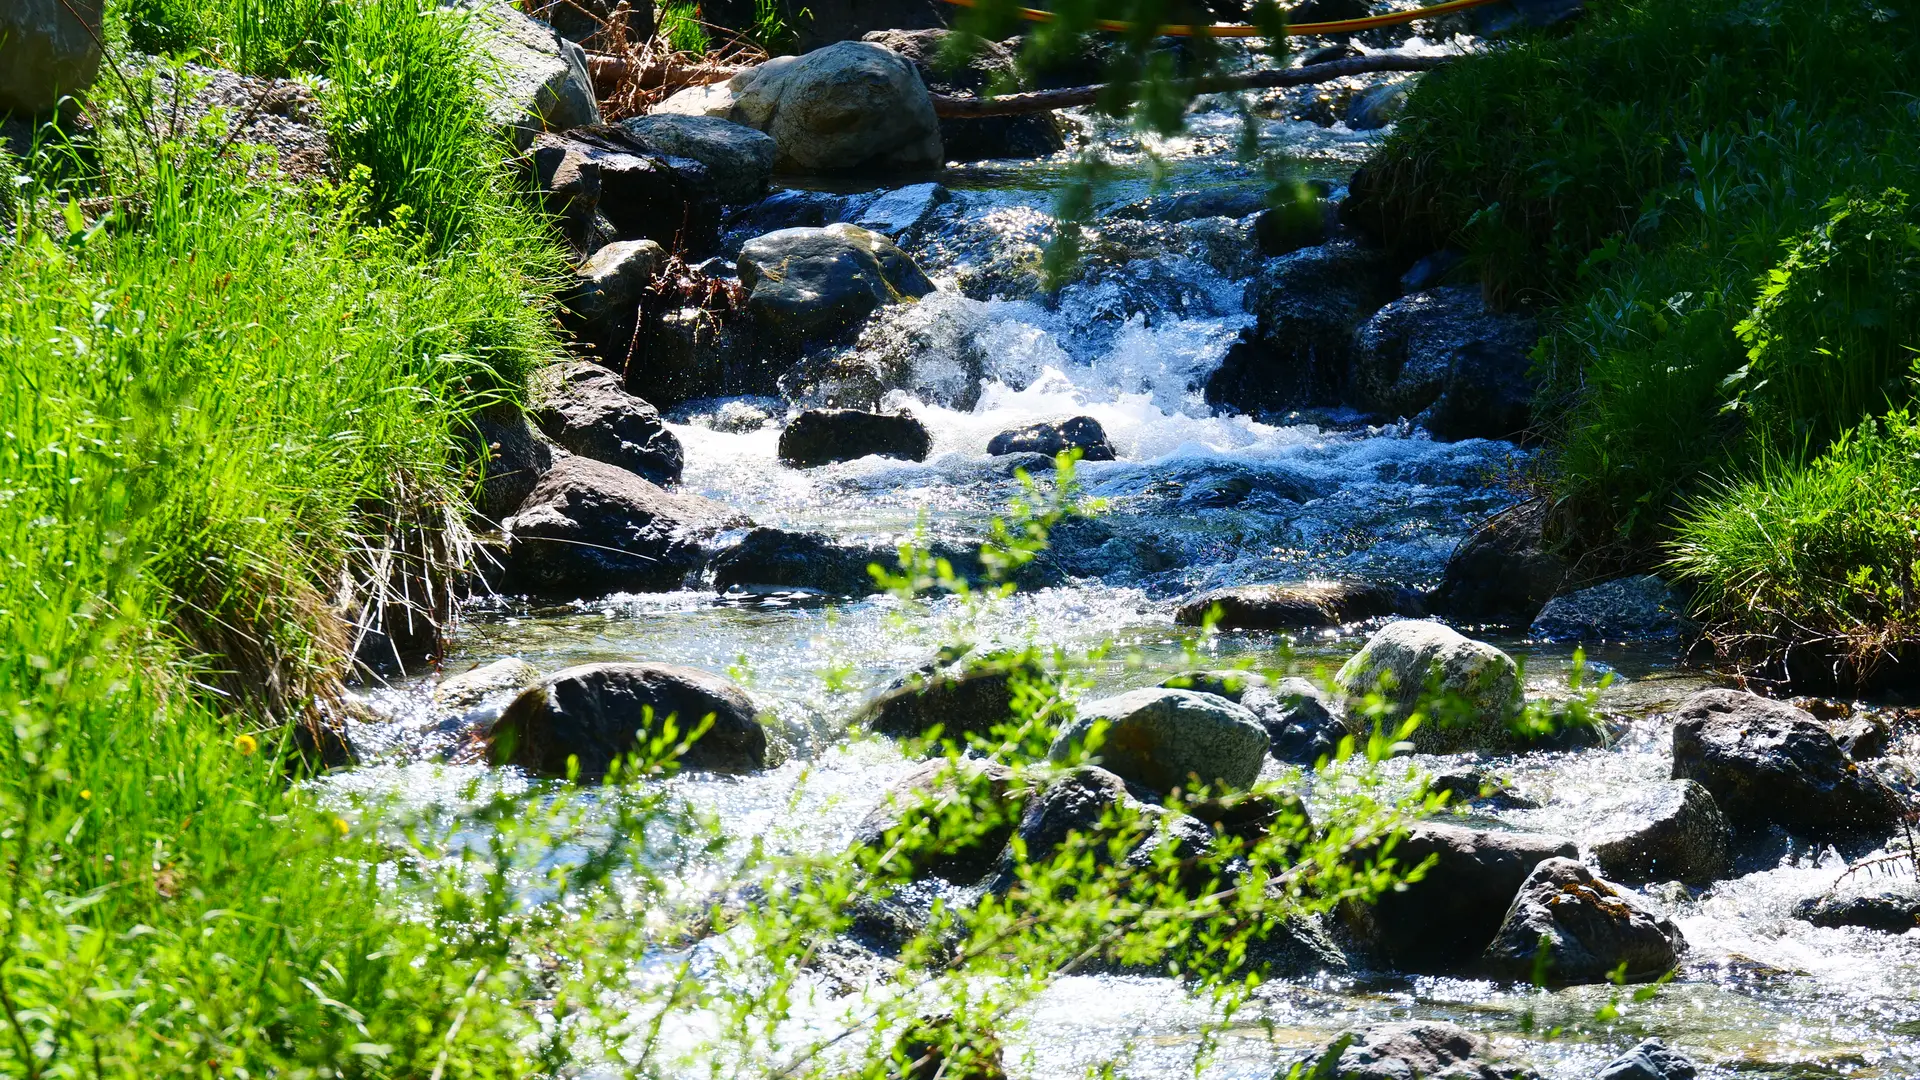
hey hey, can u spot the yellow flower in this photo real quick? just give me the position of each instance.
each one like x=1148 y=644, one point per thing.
x=340 y=826
x=86 y=793
x=246 y=744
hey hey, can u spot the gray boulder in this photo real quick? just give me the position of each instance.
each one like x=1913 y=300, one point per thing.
x=1651 y=1060
x=806 y=284
x=849 y=107
x=781 y=558
x=903 y=210
x=1639 y=608
x=1768 y=763
x=589 y=528
x=740 y=158
x=1411 y=1050
x=1302 y=724
x=1444 y=359
x=1301 y=605
x=1307 y=304
x=598 y=713
x=534 y=79
x=1505 y=573
x=1164 y=739
x=1587 y=927
x=1445 y=921
x=583 y=407
x=927 y=796
x=1478 y=686
x=1889 y=908
x=49 y=49
x=824 y=436
x=608 y=287
x=1670 y=831
x=1055 y=437
x=511 y=458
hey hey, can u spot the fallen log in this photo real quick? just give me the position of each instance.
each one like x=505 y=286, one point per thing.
x=1044 y=100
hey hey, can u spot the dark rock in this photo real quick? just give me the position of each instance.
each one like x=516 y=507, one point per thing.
x=1767 y=762
x=49 y=49
x=1670 y=831
x=1638 y=608
x=923 y=796
x=597 y=25
x=1892 y=909
x=1319 y=11
x=1445 y=921
x=598 y=713
x=1282 y=230
x=1304 y=605
x=1864 y=738
x=1505 y=573
x=816 y=24
x=1303 y=726
x=1431 y=271
x=1074 y=804
x=1651 y=1060
x=824 y=436
x=1307 y=305
x=1227 y=202
x=568 y=180
x=607 y=288
x=968 y=697
x=1253 y=816
x=1296 y=948
x=1587 y=927
x=1447 y=361
x=782 y=558
x=1422 y=1049
x=1052 y=438
x=642 y=195
x=1377 y=106
x=1165 y=739
x=589 y=528
x=511 y=457
x=583 y=407
x=690 y=353
x=1478 y=787
x=739 y=159
x=785 y=209
x=812 y=284
x=991 y=65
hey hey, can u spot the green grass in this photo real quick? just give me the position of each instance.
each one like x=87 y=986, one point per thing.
x=680 y=25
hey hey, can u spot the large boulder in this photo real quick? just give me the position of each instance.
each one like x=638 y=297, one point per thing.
x=1639 y=608
x=1588 y=929
x=1302 y=725
x=589 y=528
x=851 y=107
x=1444 y=359
x=49 y=49
x=604 y=184
x=599 y=713
x=1165 y=739
x=740 y=158
x=1504 y=574
x=1669 y=831
x=1768 y=763
x=824 y=436
x=967 y=696
x=534 y=80
x=1445 y=921
x=1306 y=304
x=511 y=458
x=1409 y=1050
x=1478 y=686
x=807 y=284
x=1301 y=605
x=1055 y=437
x=909 y=818
x=583 y=407
x=782 y=558
x=991 y=65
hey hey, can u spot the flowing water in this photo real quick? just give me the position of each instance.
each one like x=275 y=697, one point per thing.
x=1195 y=500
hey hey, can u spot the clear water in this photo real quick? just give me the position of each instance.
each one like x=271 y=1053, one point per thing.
x=1760 y=994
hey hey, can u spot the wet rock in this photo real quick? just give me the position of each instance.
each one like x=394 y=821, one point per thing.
x=1446 y=920
x=903 y=210
x=1444 y=359
x=511 y=457
x=824 y=436
x=1253 y=816
x=923 y=796
x=785 y=209
x=739 y=158
x=1051 y=437
x=1891 y=909
x=1767 y=762
x=1479 y=787
x=1587 y=927
x=597 y=24
x=782 y=558
x=970 y=696
x=1505 y=573
x=1297 y=948
x=1074 y=804
x=49 y=49
x=1303 y=725
x=1431 y=271
x=1165 y=739
x=1651 y=1060
x=589 y=528
x=808 y=284
x=1478 y=686
x=1864 y=738
x=1302 y=605
x=607 y=288
x=603 y=179
x=502 y=679
x=692 y=352
x=849 y=107
x=583 y=407
x=1423 y=1049
x=1377 y=106
x=1307 y=305
x=598 y=713
x=1173 y=209
x=1663 y=832
x=1639 y=608
x=991 y=64
x=535 y=80
x=1282 y=230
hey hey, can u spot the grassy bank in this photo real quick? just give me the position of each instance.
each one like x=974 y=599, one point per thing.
x=1708 y=199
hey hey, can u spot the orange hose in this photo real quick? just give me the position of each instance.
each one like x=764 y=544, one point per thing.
x=1344 y=26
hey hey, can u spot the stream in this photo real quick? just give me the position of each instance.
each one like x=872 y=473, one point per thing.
x=1195 y=501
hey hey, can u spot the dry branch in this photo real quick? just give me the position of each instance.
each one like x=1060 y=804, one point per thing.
x=1043 y=100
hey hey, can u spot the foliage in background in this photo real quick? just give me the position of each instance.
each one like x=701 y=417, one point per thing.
x=680 y=25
